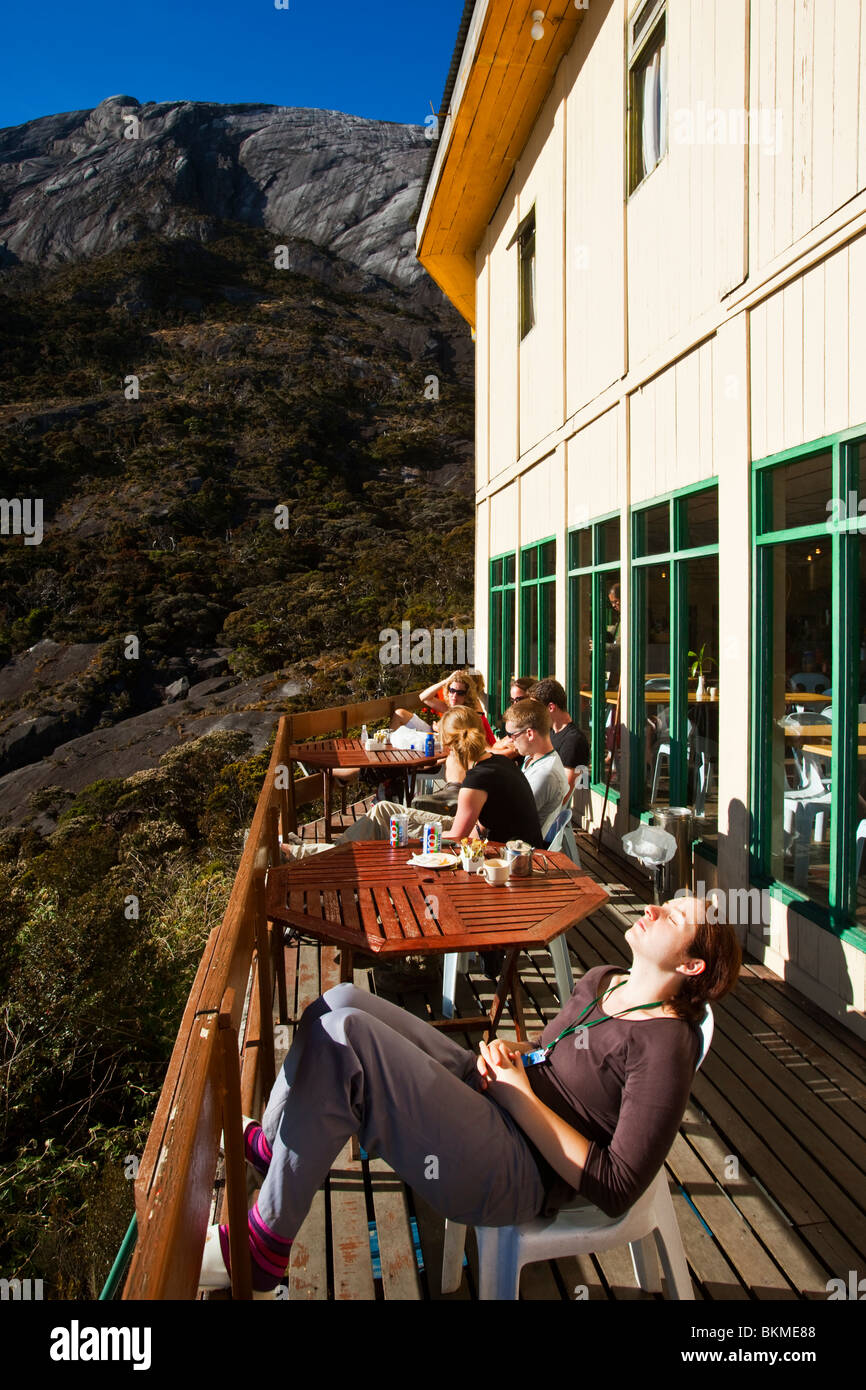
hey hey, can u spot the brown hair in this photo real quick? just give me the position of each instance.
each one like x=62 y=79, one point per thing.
x=524 y=683
x=529 y=714
x=550 y=692
x=461 y=729
x=717 y=945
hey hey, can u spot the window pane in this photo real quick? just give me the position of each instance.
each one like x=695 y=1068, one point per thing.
x=856 y=813
x=496 y=573
x=657 y=682
x=608 y=539
x=608 y=591
x=700 y=519
x=800 y=732
x=652 y=530
x=496 y=655
x=648 y=81
x=548 y=558
x=510 y=569
x=580 y=549
x=546 y=664
x=529 y=563
x=798 y=493
x=581 y=654
x=702 y=736
x=529 y=602
x=527 y=277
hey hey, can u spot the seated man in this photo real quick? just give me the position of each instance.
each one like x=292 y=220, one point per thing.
x=569 y=741
x=527 y=726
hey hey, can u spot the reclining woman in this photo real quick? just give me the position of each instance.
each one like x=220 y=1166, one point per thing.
x=493 y=792
x=595 y=1118
x=462 y=688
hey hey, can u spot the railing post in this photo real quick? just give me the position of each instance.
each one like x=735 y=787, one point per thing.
x=267 y=1059
x=278 y=953
x=290 y=806
x=236 y=1188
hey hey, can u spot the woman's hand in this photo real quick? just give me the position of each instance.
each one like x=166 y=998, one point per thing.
x=501 y=1063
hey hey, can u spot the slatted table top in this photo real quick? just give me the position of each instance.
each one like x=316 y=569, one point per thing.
x=350 y=752
x=366 y=895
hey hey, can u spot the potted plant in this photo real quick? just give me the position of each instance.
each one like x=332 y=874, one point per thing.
x=699 y=662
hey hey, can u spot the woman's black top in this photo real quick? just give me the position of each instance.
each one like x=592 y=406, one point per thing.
x=509 y=813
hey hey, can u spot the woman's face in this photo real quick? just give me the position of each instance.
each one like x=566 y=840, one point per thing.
x=515 y=693
x=663 y=936
x=456 y=693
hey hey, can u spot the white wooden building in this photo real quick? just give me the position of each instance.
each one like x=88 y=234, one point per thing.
x=653 y=217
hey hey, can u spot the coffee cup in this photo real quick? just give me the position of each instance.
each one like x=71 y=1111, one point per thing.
x=497 y=870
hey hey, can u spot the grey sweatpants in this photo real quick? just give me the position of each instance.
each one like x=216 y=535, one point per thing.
x=359 y=1065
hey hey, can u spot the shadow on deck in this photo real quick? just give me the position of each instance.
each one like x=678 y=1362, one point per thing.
x=768 y=1172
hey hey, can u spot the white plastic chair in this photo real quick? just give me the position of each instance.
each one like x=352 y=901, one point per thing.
x=813 y=682
x=805 y=815
x=580 y=1230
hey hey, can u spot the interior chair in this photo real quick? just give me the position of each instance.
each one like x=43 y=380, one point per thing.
x=805 y=815
x=664 y=751
x=813 y=682
x=649 y=1228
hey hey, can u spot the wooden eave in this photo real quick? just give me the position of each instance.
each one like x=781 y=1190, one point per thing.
x=504 y=79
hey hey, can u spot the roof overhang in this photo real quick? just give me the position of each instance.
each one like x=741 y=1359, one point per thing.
x=502 y=82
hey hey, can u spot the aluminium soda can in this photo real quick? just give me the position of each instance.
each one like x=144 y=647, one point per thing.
x=431 y=838
x=398 y=834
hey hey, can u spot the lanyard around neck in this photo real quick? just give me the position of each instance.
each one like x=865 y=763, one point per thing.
x=542 y=1054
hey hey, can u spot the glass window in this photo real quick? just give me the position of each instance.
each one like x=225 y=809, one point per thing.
x=652 y=531
x=647 y=92
x=809 y=752
x=503 y=602
x=608 y=540
x=594 y=647
x=675 y=696
x=801 y=732
x=700 y=520
x=526 y=242
x=798 y=493
x=538 y=610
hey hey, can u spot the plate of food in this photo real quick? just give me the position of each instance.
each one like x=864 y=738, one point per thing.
x=436 y=860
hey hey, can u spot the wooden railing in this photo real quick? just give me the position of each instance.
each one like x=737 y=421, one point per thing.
x=223 y=1062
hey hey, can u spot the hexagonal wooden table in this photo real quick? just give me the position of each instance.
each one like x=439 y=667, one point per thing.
x=365 y=896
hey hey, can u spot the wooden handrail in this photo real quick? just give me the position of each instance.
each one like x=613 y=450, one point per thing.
x=201 y=1094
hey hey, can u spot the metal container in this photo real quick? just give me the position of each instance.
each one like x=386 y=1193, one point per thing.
x=519 y=855
x=679 y=822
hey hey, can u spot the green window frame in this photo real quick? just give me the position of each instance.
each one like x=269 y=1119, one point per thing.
x=676 y=556
x=538 y=608
x=503 y=615
x=843 y=535
x=599 y=570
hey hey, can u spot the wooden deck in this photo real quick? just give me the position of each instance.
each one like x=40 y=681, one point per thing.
x=768 y=1172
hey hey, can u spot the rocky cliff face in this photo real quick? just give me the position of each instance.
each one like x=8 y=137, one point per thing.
x=84 y=183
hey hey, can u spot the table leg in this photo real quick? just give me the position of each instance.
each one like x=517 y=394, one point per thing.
x=506 y=986
x=329 y=793
x=347 y=965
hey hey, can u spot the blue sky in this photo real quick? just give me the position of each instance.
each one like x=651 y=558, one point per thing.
x=385 y=59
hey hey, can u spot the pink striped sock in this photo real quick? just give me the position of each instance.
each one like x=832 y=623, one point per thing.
x=257 y=1150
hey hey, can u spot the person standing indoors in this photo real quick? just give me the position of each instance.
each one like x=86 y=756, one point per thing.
x=569 y=741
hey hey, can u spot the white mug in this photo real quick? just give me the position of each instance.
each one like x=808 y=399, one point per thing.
x=497 y=870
